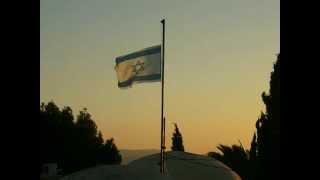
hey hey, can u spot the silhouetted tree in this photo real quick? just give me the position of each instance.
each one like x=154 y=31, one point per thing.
x=110 y=153
x=177 y=142
x=253 y=158
x=236 y=157
x=100 y=138
x=49 y=140
x=253 y=149
x=73 y=145
x=268 y=130
x=66 y=138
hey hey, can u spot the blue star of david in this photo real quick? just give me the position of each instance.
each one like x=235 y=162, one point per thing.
x=138 y=67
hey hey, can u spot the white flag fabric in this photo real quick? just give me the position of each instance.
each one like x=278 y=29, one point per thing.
x=140 y=66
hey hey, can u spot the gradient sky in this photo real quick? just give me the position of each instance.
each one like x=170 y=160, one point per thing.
x=219 y=55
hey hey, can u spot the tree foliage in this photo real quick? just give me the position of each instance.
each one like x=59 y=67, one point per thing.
x=268 y=130
x=235 y=157
x=265 y=146
x=262 y=162
x=177 y=141
x=74 y=145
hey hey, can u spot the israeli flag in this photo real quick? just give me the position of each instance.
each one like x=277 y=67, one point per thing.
x=140 y=66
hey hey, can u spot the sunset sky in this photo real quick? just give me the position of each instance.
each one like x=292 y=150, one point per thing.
x=219 y=55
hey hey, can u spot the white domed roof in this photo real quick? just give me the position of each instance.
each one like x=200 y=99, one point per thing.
x=182 y=166
x=179 y=166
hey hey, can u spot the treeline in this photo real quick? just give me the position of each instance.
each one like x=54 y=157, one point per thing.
x=262 y=161
x=73 y=144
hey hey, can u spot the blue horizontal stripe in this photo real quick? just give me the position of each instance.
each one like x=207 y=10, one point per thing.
x=152 y=50
x=139 y=78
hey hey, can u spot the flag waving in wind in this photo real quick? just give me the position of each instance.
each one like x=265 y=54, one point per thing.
x=140 y=66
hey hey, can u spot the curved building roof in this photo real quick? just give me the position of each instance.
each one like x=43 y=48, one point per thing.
x=179 y=166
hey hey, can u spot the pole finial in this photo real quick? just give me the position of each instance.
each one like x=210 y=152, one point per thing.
x=163 y=21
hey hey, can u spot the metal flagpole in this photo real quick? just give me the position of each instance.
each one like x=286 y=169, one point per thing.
x=164 y=143
x=162 y=87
